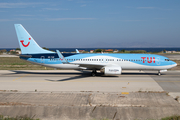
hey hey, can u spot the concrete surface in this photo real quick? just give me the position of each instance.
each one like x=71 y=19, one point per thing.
x=69 y=94
x=172 y=56
x=70 y=80
x=6 y=55
x=89 y=105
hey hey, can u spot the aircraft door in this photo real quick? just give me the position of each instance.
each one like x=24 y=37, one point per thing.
x=158 y=61
x=42 y=59
x=104 y=60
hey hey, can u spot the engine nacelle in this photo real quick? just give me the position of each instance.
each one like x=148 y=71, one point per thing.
x=111 y=70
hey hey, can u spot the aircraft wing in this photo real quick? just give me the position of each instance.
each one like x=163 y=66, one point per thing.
x=86 y=65
x=90 y=65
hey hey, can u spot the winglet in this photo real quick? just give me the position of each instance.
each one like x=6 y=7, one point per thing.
x=61 y=57
x=77 y=51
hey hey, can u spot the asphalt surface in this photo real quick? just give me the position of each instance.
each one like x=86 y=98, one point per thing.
x=172 y=56
x=71 y=80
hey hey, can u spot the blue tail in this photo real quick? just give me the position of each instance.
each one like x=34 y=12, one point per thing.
x=27 y=44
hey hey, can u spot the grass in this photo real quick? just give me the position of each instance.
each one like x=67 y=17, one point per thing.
x=175 y=117
x=16 y=118
x=15 y=63
x=101 y=119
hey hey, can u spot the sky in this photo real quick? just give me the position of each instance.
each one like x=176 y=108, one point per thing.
x=92 y=23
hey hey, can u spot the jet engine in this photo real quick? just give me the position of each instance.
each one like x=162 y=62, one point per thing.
x=111 y=70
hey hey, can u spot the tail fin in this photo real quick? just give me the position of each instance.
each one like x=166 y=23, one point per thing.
x=27 y=44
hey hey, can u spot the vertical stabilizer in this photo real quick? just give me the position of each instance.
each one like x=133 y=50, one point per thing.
x=27 y=44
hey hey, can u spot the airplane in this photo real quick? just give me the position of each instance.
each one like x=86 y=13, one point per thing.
x=106 y=63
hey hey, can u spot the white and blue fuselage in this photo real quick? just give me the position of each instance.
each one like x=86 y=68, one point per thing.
x=108 y=63
x=97 y=60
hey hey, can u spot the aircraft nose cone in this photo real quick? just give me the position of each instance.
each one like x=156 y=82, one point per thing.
x=174 y=64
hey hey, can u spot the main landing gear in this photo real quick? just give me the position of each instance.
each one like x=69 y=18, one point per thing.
x=94 y=73
x=159 y=73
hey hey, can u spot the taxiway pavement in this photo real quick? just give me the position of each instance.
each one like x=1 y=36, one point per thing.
x=71 y=80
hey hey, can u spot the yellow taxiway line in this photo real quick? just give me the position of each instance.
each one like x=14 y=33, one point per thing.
x=21 y=77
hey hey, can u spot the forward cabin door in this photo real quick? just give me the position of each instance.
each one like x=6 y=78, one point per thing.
x=42 y=59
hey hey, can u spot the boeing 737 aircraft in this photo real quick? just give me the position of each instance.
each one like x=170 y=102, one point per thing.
x=109 y=64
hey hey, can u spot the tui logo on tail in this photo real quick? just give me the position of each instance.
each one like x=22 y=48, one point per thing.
x=61 y=59
x=22 y=41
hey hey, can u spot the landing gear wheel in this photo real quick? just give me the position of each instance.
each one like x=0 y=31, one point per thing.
x=93 y=73
x=159 y=73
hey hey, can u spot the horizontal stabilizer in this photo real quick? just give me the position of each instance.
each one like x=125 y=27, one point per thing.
x=26 y=56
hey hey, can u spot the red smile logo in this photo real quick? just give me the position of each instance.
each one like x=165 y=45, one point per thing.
x=61 y=59
x=22 y=41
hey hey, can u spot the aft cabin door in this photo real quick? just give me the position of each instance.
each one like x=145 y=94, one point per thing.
x=42 y=59
x=158 y=61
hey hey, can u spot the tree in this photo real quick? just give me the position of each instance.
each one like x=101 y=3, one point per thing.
x=45 y=48
x=164 y=51
x=18 y=49
x=13 y=52
x=123 y=50
x=98 y=50
x=3 y=51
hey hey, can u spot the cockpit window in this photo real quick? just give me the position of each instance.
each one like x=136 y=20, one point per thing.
x=167 y=60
